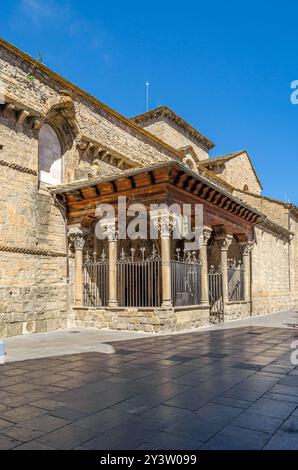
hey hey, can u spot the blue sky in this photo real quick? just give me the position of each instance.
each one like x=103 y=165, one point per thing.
x=226 y=67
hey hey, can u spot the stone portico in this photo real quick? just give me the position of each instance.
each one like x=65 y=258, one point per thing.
x=63 y=152
x=113 y=288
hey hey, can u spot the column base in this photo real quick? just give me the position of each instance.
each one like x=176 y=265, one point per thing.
x=167 y=304
x=113 y=304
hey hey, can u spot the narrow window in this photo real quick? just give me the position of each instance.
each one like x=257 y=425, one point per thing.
x=50 y=156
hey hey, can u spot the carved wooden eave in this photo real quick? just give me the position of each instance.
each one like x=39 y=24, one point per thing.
x=163 y=183
x=95 y=151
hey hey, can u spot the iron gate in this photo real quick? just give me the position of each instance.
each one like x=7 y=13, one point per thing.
x=139 y=280
x=186 y=279
x=95 y=281
x=235 y=280
x=216 y=295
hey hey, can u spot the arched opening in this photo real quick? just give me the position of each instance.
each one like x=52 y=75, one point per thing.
x=189 y=162
x=245 y=188
x=50 y=156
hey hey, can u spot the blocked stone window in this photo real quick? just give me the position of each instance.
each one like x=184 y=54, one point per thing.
x=50 y=156
x=190 y=163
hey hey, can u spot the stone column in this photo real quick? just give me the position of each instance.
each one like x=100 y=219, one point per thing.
x=245 y=250
x=79 y=241
x=204 y=266
x=165 y=222
x=113 y=292
x=166 y=269
x=224 y=246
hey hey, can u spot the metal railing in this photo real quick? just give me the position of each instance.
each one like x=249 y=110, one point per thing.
x=186 y=279
x=236 y=281
x=216 y=295
x=95 y=281
x=139 y=280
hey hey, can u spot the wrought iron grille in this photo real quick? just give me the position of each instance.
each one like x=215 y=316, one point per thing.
x=215 y=295
x=236 y=281
x=186 y=279
x=139 y=280
x=95 y=279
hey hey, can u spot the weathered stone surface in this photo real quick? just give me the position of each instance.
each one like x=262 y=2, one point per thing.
x=36 y=267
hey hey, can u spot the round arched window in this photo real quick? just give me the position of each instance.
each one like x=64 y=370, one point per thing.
x=50 y=156
x=189 y=162
x=245 y=188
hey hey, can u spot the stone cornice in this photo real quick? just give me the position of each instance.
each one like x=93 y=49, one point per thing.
x=29 y=251
x=15 y=166
x=172 y=116
x=71 y=87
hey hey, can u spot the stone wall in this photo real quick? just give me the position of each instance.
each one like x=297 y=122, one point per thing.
x=239 y=173
x=90 y=119
x=271 y=289
x=33 y=263
x=236 y=310
x=172 y=134
x=156 y=320
x=276 y=211
x=35 y=294
x=293 y=221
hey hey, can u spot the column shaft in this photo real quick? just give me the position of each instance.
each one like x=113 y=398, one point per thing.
x=166 y=271
x=79 y=242
x=246 y=266
x=113 y=294
x=79 y=277
x=224 y=267
x=204 y=275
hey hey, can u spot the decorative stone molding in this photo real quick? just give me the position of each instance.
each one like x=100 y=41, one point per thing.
x=29 y=251
x=79 y=241
x=246 y=248
x=95 y=152
x=164 y=111
x=225 y=243
x=165 y=222
x=205 y=236
x=15 y=166
x=23 y=114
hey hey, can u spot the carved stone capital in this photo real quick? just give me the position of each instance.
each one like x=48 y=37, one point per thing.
x=165 y=222
x=206 y=234
x=224 y=243
x=79 y=242
x=111 y=233
x=246 y=248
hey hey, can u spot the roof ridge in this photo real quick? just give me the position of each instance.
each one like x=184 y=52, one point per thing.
x=173 y=116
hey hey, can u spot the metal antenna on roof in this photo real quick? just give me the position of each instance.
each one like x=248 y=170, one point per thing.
x=147 y=96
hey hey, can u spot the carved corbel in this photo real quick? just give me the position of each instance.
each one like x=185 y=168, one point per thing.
x=9 y=109
x=22 y=116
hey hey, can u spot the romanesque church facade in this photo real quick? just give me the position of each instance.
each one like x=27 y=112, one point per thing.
x=62 y=153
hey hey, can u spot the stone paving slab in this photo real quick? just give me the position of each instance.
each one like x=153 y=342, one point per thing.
x=184 y=391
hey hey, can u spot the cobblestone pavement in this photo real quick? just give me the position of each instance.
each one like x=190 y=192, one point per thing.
x=222 y=389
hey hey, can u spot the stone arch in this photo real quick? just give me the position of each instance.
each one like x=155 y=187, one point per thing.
x=50 y=156
x=60 y=117
x=190 y=163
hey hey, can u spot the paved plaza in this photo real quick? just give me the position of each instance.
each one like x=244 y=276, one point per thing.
x=222 y=388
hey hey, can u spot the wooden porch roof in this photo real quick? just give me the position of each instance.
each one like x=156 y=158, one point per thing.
x=162 y=183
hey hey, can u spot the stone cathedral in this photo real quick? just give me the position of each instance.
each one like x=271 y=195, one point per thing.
x=62 y=153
